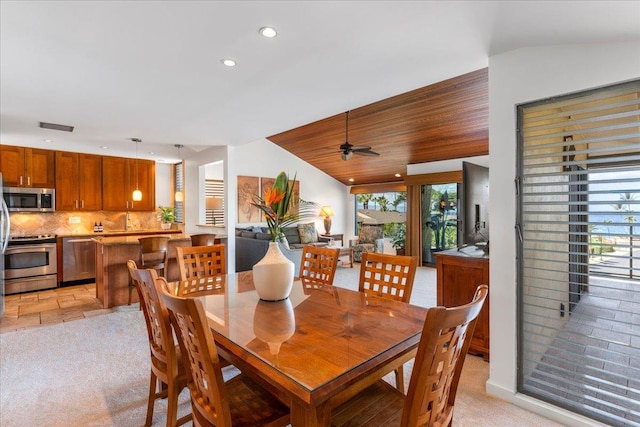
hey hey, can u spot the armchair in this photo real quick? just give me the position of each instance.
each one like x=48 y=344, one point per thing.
x=370 y=239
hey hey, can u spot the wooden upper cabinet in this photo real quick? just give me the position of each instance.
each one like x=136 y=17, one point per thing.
x=119 y=180
x=78 y=181
x=27 y=167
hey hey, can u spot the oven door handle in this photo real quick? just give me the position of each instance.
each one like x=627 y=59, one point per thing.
x=42 y=247
x=7 y=221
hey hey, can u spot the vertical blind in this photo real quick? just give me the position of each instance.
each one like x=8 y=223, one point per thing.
x=178 y=180
x=578 y=190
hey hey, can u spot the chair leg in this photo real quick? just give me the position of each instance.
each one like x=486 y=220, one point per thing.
x=130 y=289
x=400 y=379
x=153 y=384
x=172 y=405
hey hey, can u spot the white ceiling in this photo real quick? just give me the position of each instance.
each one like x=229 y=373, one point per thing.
x=151 y=69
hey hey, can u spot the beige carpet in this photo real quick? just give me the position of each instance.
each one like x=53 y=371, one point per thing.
x=94 y=372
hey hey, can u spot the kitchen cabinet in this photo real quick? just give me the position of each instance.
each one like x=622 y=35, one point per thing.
x=120 y=176
x=27 y=167
x=78 y=181
x=112 y=275
x=459 y=274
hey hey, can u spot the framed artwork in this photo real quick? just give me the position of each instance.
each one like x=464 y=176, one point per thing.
x=247 y=187
x=268 y=183
x=265 y=183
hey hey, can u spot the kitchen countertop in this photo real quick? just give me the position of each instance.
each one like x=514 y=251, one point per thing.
x=133 y=239
x=121 y=233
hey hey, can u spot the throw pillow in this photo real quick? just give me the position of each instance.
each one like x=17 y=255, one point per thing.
x=307 y=233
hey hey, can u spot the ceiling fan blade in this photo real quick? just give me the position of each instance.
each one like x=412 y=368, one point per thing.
x=366 y=153
x=360 y=148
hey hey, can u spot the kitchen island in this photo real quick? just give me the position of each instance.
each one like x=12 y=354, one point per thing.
x=112 y=275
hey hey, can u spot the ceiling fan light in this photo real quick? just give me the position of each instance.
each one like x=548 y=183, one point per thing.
x=347 y=156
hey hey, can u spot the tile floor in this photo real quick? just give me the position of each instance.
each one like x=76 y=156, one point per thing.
x=51 y=306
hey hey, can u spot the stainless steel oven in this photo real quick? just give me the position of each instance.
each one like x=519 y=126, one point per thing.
x=30 y=263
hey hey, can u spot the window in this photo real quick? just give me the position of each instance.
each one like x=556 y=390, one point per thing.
x=579 y=252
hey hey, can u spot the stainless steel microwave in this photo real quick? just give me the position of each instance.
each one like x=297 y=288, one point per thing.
x=26 y=199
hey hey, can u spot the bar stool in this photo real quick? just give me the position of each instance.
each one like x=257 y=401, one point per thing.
x=154 y=254
x=203 y=239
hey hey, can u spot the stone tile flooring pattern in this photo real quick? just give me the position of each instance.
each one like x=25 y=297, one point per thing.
x=51 y=306
x=594 y=363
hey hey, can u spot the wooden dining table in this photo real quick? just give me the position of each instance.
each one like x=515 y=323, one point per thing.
x=314 y=350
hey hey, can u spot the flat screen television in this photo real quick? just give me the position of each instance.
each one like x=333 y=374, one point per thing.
x=475 y=205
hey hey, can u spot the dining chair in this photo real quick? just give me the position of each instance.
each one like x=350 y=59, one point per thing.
x=388 y=276
x=154 y=254
x=167 y=371
x=214 y=402
x=203 y=239
x=201 y=261
x=319 y=264
x=430 y=400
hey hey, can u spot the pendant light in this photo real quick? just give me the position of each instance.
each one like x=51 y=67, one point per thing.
x=137 y=194
x=179 y=196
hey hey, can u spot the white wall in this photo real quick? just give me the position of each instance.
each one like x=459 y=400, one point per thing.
x=261 y=158
x=163 y=184
x=517 y=77
x=265 y=159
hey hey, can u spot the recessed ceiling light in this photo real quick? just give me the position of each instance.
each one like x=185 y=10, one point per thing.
x=228 y=62
x=104 y=147
x=398 y=175
x=269 y=32
x=350 y=179
x=151 y=152
x=48 y=140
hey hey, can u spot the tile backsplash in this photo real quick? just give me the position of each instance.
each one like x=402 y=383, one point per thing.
x=62 y=223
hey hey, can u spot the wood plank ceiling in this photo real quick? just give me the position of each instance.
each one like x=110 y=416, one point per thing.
x=443 y=121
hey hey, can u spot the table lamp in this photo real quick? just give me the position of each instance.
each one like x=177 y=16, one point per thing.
x=327 y=212
x=213 y=203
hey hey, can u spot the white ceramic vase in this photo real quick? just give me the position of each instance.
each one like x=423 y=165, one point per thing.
x=165 y=225
x=273 y=275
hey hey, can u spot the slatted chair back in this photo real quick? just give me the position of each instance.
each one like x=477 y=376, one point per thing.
x=239 y=401
x=443 y=347
x=165 y=364
x=388 y=276
x=201 y=261
x=430 y=400
x=319 y=264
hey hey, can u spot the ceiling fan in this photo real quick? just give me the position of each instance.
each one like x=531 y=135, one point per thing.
x=349 y=150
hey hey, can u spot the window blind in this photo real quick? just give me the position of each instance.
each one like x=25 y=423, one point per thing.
x=578 y=190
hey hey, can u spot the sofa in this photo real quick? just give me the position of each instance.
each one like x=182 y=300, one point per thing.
x=252 y=244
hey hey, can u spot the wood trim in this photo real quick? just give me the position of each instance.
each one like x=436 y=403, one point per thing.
x=434 y=178
x=378 y=188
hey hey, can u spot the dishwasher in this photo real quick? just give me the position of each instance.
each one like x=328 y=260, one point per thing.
x=78 y=259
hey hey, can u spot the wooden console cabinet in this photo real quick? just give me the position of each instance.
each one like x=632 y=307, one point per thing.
x=459 y=274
